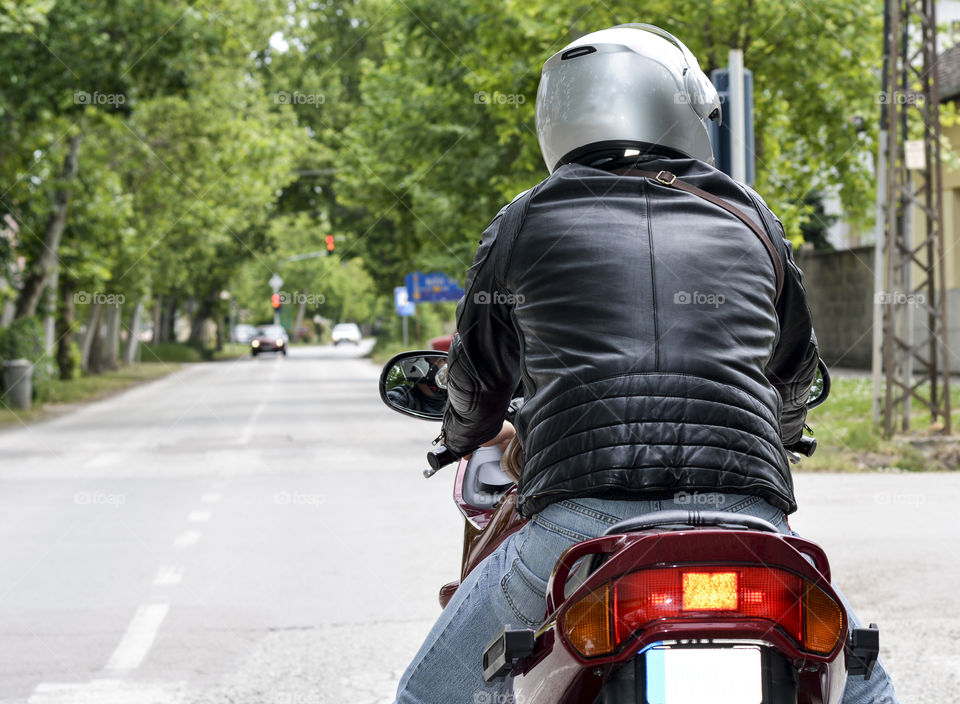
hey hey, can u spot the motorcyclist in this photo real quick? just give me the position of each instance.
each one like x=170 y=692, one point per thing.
x=419 y=390
x=652 y=310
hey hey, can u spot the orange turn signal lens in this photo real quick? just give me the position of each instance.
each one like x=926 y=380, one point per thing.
x=822 y=621
x=587 y=623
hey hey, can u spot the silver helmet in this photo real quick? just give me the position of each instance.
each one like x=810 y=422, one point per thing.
x=628 y=87
x=415 y=368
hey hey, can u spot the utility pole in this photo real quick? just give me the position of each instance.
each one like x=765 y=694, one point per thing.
x=738 y=118
x=276 y=281
x=913 y=281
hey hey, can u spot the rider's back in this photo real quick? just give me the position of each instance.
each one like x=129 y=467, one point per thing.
x=646 y=319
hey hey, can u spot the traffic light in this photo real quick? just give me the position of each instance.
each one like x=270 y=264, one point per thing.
x=330 y=243
x=275 y=301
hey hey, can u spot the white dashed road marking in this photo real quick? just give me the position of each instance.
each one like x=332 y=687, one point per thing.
x=168 y=575
x=138 y=638
x=186 y=539
x=252 y=421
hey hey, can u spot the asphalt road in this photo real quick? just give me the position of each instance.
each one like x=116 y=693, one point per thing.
x=259 y=531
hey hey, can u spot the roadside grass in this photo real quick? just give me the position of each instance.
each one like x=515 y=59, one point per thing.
x=174 y=352
x=9 y=416
x=180 y=353
x=86 y=388
x=232 y=350
x=849 y=441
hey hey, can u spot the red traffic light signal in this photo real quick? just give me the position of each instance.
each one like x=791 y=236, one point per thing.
x=330 y=244
x=275 y=301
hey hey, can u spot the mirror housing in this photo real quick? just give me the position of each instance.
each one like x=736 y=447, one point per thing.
x=414 y=383
x=820 y=389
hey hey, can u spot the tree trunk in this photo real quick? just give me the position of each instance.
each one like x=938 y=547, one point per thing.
x=111 y=342
x=95 y=362
x=169 y=319
x=199 y=322
x=301 y=311
x=159 y=334
x=93 y=322
x=7 y=313
x=45 y=266
x=157 y=319
x=133 y=341
x=65 y=317
x=50 y=319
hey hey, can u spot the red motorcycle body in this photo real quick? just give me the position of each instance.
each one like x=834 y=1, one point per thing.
x=672 y=647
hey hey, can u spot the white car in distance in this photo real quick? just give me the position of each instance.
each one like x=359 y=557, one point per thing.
x=346 y=332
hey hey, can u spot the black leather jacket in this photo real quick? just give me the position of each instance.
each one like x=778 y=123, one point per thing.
x=644 y=325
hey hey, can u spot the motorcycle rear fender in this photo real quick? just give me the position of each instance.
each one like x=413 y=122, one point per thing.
x=577 y=679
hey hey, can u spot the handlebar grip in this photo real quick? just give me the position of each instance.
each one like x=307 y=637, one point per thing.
x=441 y=457
x=805 y=446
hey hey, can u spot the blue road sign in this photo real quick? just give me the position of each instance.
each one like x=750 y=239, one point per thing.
x=402 y=303
x=432 y=288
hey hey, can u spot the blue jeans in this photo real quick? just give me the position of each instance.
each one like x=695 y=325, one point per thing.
x=509 y=588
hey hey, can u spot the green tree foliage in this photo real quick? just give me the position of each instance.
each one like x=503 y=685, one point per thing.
x=18 y=16
x=217 y=142
x=446 y=136
x=426 y=159
x=183 y=150
x=815 y=228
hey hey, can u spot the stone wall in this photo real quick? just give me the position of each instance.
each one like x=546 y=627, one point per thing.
x=840 y=293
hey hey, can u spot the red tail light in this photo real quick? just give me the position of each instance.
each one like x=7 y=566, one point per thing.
x=601 y=621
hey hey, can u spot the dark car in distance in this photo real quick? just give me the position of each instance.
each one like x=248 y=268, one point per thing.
x=270 y=338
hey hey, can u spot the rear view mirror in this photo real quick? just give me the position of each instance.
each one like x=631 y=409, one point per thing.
x=820 y=389
x=415 y=383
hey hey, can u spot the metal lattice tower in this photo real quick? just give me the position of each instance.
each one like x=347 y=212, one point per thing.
x=915 y=358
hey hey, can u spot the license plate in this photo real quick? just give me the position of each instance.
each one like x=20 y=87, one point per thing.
x=698 y=675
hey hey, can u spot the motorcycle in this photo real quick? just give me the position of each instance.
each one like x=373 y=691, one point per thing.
x=671 y=607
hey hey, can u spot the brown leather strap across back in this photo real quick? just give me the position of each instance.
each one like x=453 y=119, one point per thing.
x=666 y=178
